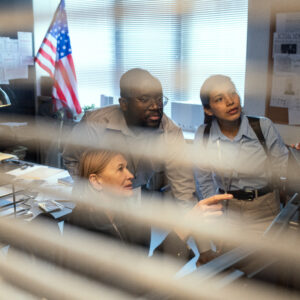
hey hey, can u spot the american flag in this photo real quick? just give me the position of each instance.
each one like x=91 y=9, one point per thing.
x=55 y=57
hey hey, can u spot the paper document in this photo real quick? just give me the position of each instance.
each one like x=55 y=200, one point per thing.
x=285 y=82
x=25 y=48
x=294 y=116
x=288 y=21
x=7 y=190
x=10 y=211
x=14 y=124
x=4 y=156
x=39 y=173
x=15 y=57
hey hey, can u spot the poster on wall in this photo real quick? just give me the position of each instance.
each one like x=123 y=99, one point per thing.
x=286 y=74
x=288 y=22
x=15 y=57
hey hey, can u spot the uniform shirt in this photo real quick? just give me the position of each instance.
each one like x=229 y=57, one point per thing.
x=107 y=126
x=243 y=160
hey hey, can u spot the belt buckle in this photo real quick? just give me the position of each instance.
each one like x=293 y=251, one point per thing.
x=252 y=194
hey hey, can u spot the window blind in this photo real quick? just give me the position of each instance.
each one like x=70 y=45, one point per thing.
x=92 y=33
x=180 y=44
x=148 y=31
x=215 y=40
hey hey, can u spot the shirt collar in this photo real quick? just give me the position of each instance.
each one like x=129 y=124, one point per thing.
x=244 y=130
x=117 y=122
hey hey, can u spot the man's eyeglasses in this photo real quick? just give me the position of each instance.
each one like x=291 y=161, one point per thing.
x=161 y=101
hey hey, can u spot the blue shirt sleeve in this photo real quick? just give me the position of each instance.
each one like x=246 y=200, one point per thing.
x=203 y=176
x=277 y=149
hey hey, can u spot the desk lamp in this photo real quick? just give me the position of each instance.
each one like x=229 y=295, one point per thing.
x=4 y=99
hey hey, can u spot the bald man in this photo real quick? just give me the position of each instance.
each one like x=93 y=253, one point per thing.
x=138 y=117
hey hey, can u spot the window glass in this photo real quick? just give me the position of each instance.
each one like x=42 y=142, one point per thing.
x=215 y=39
x=180 y=42
x=91 y=26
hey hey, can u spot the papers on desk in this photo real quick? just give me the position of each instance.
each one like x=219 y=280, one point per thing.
x=4 y=156
x=14 y=124
x=67 y=209
x=64 y=212
x=42 y=176
x=8 y=200
x=68 y=180
x=6 y=190
x=35 y=173
x=7 y=204
x=10 y=211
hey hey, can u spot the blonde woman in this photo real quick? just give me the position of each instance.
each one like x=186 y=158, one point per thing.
x=103 y=171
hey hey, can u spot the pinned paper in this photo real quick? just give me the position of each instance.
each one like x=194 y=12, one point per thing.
x=15 y=57
x=294 y=116
x=25 y=47
x=286 y=76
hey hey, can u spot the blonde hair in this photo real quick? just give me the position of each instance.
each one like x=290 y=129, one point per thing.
x=94 y=162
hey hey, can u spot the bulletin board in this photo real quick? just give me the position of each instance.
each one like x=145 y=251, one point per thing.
x=16 y=56
x=17 y=72
x=283 y=105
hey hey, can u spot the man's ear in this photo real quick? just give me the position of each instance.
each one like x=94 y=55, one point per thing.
x=95 y=181
x=123 y=104
x=208 y=111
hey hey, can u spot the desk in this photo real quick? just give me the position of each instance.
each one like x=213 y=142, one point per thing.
x=38 y=176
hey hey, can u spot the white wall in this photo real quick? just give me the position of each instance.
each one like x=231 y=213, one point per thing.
x=257 y=66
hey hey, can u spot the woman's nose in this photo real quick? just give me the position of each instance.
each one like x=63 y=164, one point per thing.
x=129 y=175
x=229 y=99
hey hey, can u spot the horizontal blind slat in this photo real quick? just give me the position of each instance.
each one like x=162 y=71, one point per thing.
x=109 y=37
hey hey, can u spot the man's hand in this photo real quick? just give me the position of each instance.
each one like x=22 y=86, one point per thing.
x=208 y=207
x=211 y=206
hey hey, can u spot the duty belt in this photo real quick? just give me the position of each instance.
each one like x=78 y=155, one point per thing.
x=248 y=194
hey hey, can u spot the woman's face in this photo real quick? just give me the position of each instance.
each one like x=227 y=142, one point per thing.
x=224 y=102
x=115 y=177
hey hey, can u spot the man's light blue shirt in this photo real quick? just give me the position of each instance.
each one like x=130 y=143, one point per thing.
x=243 y=159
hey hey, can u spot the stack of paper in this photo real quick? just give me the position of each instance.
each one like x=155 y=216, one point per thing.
x=4 y=156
